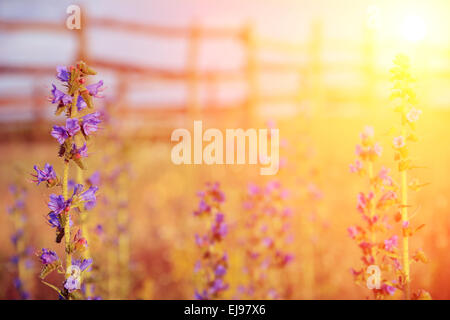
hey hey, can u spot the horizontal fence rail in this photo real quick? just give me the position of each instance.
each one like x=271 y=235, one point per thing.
x=313 y=70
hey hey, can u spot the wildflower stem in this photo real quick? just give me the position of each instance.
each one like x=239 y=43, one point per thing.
x=67 y=218
x=85 y=233
x=405 y=220
x=371 y=212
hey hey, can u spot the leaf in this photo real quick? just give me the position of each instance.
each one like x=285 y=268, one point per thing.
x=49 y=268
x=53 y=287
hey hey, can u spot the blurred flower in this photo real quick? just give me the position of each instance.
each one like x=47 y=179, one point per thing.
x=391 y=243
x=413 y=115
x=399 y=142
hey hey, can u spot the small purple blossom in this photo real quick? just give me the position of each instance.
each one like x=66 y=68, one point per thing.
x=95 y=88
x=82 y=264
x=45 y=175
x=72 y=126
x=62 y=73
x=60 y=134
x=94 y=179
x=59 y=97
x=72 y=283
x=48 y=256
x=81 y=104
x=89 y=197
x=220 y=271
x=79 y=152
x=391 y=243
x=90 y=122
x=57 y=203
x=63 y=133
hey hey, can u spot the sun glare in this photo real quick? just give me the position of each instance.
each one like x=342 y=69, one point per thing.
x=413 y=28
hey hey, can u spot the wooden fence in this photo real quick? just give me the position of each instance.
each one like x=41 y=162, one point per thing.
x=313 y=69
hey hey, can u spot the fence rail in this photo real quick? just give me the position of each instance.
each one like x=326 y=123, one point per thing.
x=312 y=70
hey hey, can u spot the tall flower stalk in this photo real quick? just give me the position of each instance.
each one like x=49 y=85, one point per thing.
x=406 y=102
x=377 y=207
x=81 y=122
x=268 y=227
x=20 y=259
x=213 y=263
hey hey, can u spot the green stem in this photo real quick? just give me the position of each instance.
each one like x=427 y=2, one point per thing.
x=67 y=219
x=405 y=220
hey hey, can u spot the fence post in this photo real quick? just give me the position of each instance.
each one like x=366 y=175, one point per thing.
x=250 y=44
x=193 y=103
x=315 y=66
x=81 y=38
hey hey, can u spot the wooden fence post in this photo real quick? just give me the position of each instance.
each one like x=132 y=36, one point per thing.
x=81 y=38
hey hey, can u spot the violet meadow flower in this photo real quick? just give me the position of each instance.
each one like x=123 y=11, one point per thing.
x=60 y=134
x=220 y=271
x=57 y=203
x=212 y=259
x=48 y=256
x=63 y=73
x=63 y=133
x=79 y=152
x=82 y=264
x=95 y=88
x=72 y=283
x=94 y=179
x=391 y=243
x=90 y=122
x=89 y=197
x=59 y=97
x=201 y=296
x=46 y=175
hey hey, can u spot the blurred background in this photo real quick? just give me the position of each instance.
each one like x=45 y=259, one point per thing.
x=317 y=70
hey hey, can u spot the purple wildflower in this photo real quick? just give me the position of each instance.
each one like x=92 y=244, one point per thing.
x=90 y=122
x=57 y=203
x=53 y=220
x=94 y=179
x=220 y=271
x=60 y=134
x=218 y=285
x=82 y=264
x=46 y=175
x=201 y=296
x=62 y=73
x=79 y=152
x=48 y=256
x=391 y=243
x=95 y=88
x=59 y=97
x=72 y=126
x=89 y=197
x=81 y=104
x=388 y=289
x=72 y=283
